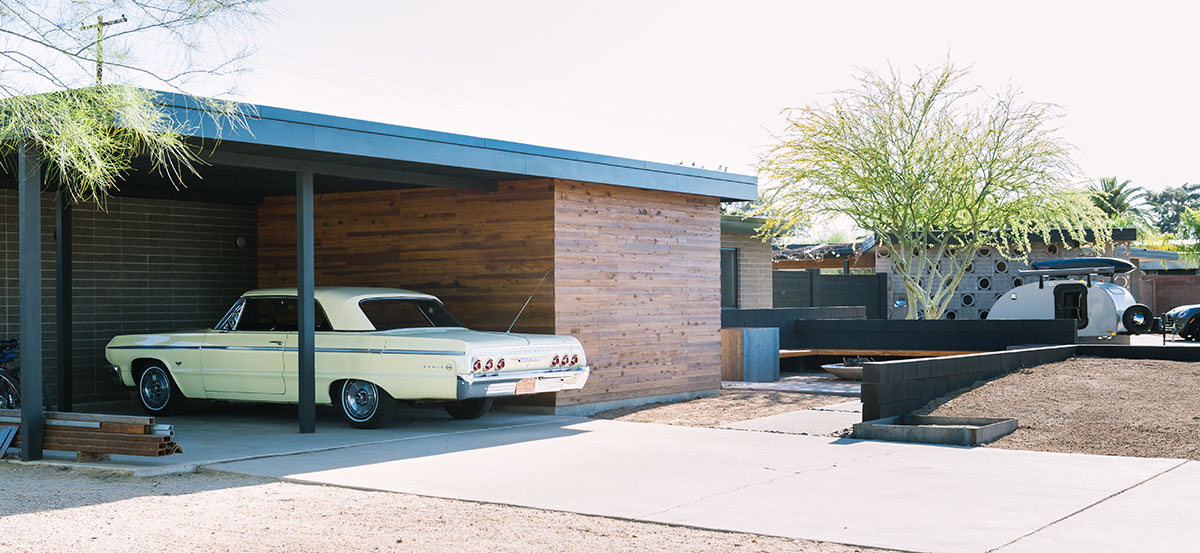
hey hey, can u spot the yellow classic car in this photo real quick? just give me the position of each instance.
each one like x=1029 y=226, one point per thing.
x=373 y=346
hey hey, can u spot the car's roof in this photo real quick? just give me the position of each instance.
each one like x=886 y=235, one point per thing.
x=340 y=303
x=343 y=293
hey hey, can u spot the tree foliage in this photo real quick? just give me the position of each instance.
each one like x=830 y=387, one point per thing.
x=1167 y=206
x=1122 y=202
x=938 y=169
x=87 y=132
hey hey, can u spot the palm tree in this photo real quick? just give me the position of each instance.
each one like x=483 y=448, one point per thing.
x=1119 y=201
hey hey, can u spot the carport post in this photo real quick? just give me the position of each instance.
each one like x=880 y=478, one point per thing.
x=305 y=312
x=29 y=221
x=62 y=264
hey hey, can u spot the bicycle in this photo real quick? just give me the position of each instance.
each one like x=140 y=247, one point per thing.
x=10 y=383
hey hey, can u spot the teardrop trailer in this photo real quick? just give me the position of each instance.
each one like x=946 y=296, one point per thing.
x=1074 y=289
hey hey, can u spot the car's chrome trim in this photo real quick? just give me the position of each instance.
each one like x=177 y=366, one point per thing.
x=318 y=350
x=502 y=384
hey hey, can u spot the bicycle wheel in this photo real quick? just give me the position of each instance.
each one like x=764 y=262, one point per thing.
x=10 y=392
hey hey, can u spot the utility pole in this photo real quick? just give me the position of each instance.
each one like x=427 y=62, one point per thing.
x=99 y=26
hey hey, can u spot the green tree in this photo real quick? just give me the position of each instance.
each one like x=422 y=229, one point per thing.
x=1121 y=202
x=924 y=165
x=87 y=132
x=1166 y=207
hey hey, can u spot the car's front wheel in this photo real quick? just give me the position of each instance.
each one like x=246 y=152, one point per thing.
x=365 y=405
x=158 y=393
x=469 y=408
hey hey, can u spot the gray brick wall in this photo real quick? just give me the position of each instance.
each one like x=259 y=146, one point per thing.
x=142 y=265
x=754 y=269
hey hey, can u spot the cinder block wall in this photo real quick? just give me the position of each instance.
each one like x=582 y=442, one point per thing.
x=139 y=266
x=754 y=269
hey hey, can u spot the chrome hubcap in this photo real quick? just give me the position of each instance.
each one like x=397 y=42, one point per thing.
x=156 y=389
x=360 y=399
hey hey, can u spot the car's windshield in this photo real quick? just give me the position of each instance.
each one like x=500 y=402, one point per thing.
x=390 y=313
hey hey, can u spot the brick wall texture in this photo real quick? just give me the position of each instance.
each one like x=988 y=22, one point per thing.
x=139 y=265
x=754 y=269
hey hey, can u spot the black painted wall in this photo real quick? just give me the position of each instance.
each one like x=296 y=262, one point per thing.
x=985 y=335
x=139 y=265
x=785 y=319
x=810 y=288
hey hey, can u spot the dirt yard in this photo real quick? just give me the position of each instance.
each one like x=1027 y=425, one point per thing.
x=729 y=407
x=1137 y=408
x=45 y=509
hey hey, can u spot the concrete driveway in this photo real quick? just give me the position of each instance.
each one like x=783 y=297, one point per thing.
x=899 y=496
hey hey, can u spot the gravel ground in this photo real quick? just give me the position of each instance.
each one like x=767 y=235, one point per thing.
x=729 y=407
x=52 y=510
x=1137 y=408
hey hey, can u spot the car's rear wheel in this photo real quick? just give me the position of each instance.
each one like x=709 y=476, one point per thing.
x=469 y=408
x=158 y=393
x=365 y=405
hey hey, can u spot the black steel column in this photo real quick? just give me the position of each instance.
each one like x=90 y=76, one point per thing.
x=306 y=312
x=29 y=217
x=62 y=263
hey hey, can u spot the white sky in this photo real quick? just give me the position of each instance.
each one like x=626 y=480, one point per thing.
x=704 y=81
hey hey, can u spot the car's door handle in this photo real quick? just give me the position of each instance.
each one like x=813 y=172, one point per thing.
x=276 y=342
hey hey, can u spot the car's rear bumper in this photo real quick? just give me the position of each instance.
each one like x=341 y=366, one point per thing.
x=521 y=382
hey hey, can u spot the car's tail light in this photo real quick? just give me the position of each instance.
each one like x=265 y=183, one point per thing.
x=500 y=364
x=554 y=362
x=574 y=360
x=488 y=366
x=478 y=365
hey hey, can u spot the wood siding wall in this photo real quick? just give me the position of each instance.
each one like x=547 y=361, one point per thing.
x=637 y=281
x=636 y=273
x=482 y=253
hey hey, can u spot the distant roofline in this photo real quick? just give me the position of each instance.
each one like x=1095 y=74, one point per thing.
x=288 y=128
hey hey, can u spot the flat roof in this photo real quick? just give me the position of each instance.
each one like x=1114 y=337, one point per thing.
x=289 y=134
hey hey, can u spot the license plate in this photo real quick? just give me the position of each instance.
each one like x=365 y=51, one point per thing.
x=526 y=386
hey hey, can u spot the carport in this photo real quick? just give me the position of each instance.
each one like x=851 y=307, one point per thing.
x=284 y=152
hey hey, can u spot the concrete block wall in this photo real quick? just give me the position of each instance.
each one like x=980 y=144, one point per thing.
x=894 y=388
x=139 y=265
x=754 y=269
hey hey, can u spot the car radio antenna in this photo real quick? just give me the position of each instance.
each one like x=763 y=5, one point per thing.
x=535 y=289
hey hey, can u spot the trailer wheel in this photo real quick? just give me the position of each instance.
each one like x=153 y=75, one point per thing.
x=1137 y=319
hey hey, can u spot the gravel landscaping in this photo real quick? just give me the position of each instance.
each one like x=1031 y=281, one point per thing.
x=1138 y=408
x=729 y=407
x=50 y=510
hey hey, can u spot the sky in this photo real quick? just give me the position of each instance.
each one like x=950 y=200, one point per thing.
x=704 y=82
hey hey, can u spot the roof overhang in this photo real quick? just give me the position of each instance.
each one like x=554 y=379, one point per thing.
x=282 y=139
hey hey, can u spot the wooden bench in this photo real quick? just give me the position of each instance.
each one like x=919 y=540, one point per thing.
x=789 y=353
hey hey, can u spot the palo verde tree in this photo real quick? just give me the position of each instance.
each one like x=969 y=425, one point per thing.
x=54 y=55
x=936 y=170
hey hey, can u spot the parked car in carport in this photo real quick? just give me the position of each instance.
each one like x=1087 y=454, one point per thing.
x=373 y=346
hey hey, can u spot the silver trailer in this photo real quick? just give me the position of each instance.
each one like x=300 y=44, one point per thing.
x=1101 y=309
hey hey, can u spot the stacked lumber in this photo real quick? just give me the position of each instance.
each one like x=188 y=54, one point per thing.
x=90 y=433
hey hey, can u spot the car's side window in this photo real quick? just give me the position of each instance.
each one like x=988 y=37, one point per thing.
x=275 y=314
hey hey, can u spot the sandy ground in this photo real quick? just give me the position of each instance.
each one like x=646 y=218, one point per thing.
x=729 y=407
x=53 y=510
x=1138 y=408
